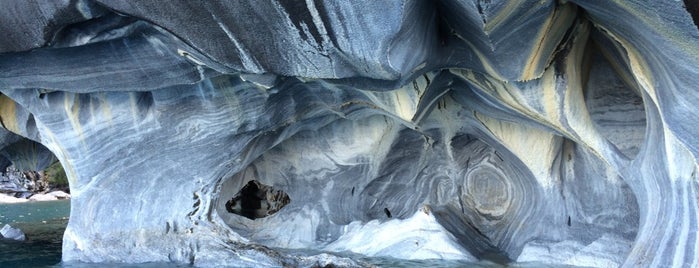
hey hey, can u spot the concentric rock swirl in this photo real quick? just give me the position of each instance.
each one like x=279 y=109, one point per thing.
x=556 y=132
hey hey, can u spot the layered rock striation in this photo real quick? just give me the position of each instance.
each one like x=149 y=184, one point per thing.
x=559 y=132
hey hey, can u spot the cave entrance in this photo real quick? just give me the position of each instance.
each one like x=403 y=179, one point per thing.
x=29 y=170
x=34 y=205
x=256 y=200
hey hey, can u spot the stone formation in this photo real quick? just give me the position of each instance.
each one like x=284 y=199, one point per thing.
x=226 y=132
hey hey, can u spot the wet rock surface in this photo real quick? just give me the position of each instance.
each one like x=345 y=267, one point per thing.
x=11 y=233
x=560 y=132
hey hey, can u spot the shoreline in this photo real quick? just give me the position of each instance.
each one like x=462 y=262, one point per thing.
x=50 y=196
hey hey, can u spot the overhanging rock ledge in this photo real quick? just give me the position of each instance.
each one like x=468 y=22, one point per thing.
x=223 y=132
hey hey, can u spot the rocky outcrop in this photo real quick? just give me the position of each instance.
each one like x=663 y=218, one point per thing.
x=11 y=233
x=18 y=186
x=552 y=131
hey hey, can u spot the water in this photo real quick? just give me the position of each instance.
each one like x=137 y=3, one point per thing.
x=44 y=224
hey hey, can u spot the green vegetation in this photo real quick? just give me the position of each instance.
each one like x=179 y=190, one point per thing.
x=56 y=176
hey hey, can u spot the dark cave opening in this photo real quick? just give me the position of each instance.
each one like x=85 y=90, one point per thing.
x=692 y=7
x=256 y=200
x=615 y=106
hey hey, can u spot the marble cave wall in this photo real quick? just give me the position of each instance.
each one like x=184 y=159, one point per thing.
x=559 y=132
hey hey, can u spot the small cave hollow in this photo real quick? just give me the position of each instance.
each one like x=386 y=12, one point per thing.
x=256 y=200
x=615 y=107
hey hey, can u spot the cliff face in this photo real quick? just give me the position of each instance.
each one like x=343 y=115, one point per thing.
x=558 y=132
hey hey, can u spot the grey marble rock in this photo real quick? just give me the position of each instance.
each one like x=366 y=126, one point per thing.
x=11 y=233
x=557 y=132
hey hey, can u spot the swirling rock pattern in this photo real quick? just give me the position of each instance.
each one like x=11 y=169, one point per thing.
x=559 y=132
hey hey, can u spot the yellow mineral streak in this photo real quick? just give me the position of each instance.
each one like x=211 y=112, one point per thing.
x=551 y=98
x=524 y=142
x=505 y=12
x=133 y=107
x=574 y=106
x=505 y=92
x=574 y=109
x=487 y=65
x=8 y=117
x=679 y=167
x=404 y=104
x=578 y=117
x=653 y=23
x=555 y=25
x=681 y=162
x=71 y=105
x=572 y=118
x=639 y=67
x=512 y=96
x=642 y=73
x=106 y=108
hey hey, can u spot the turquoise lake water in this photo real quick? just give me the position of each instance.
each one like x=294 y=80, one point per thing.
x=44 y=223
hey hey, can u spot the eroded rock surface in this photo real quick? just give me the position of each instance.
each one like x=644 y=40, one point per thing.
x=12 y=233
x=559 y=132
